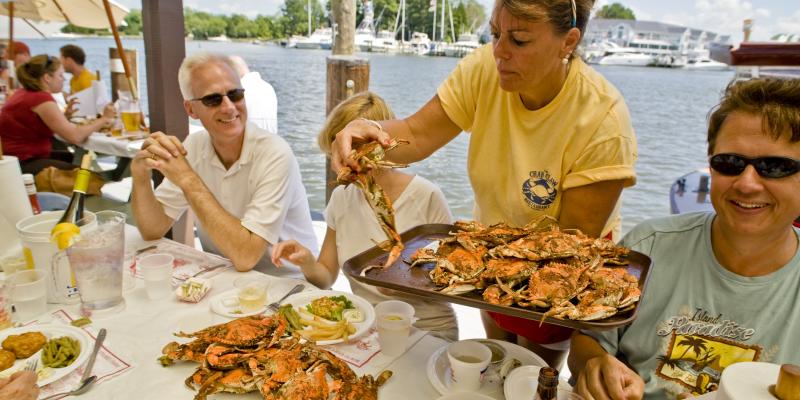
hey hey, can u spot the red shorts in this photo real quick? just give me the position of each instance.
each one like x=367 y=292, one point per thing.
x=530 y=329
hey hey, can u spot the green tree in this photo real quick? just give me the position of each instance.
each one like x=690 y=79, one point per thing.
x=615 y=11
x=294 y=17
x=134 y=23
x=693 y=343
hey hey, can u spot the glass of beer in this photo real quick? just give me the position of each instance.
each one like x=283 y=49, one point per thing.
x=132 y=120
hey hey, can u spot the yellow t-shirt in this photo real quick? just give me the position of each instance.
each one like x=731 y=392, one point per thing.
x=521 y=161
x=81 y=81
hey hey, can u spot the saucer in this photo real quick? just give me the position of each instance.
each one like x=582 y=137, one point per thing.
x=227 y=305
x=521 y=384
x=438 y=369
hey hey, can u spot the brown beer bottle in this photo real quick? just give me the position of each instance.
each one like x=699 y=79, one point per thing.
x=548 y=384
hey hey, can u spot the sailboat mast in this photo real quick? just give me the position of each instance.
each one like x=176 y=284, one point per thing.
x=452 y=28
x=435 y=6
x=403 y=27
x=441 y=27
x=309 y=18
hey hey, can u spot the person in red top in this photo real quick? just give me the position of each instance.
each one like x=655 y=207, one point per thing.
x=30 y=117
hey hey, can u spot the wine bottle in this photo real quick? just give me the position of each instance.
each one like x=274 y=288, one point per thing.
x=67 y=228
x=74 y=212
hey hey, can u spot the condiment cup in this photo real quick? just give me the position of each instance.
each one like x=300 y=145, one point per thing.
x=157 y=273
x=252 y=292
x=394 y=318
x=468 y=362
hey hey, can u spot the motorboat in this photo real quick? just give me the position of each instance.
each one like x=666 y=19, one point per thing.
x=706 y=64
x=419 y=44
x=466 y=43
x=690 y=193
x=322 y=38
x=630 y=59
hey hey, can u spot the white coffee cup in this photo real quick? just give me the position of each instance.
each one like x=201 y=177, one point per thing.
x=157 y=273
x=468 y=362
x=394 y=319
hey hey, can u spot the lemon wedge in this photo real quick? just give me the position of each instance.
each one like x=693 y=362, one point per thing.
x=65 y=234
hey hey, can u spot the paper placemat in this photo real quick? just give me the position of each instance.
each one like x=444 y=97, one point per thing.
x=363 y=350
x=188 y=260
x=107 y=366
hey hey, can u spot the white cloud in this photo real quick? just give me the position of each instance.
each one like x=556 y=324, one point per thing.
x=725 y=17
x=789 y=24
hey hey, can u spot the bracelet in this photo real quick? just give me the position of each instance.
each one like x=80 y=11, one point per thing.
x=377 y=125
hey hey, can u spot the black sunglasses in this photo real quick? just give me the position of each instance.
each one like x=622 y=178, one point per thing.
x=767 y=167
x=215 y=99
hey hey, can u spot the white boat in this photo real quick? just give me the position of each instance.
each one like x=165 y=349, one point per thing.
x=631 y=59
x=387 y=41
x=320 y=39
x=466 y=43
x=220 y=38
x=706 y=64
x=419 y=44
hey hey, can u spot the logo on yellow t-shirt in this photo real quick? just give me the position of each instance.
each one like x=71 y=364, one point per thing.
x=540 y=190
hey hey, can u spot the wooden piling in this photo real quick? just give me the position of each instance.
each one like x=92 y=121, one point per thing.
x=347 y=74
x=341 y=70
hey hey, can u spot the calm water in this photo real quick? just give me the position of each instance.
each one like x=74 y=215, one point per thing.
x=668 y=108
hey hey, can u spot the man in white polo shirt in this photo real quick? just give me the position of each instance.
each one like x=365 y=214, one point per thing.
x=242 y=182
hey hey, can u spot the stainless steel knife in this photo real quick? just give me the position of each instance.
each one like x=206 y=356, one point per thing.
x=98 y=343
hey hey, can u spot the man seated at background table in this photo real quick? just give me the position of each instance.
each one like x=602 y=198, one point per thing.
x=725 y=286
x=242 y=182
x=73 y=58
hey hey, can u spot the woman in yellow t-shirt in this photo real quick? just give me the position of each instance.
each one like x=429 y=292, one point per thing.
x=548 y=136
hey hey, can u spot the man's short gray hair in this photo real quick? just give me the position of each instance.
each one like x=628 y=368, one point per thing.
x=193 y=61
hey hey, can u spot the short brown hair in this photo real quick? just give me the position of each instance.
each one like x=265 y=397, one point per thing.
x=360 y=105
x=557 y=12
x=776 y=101
x=74 y=52
x=30 y=74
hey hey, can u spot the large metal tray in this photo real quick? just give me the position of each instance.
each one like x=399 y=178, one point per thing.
x=414 y=280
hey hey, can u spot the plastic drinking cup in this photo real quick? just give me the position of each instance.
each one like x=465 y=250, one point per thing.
x=29 y=294
x=157 y=273
x=394 y=318
x=5 y=305
x=252 y=292
x=468 y=362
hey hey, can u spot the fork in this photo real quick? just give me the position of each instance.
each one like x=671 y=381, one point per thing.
x=276 y=305
x=31 y=365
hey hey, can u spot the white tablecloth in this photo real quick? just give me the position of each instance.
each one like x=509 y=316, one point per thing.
x=138 y=334
x=120 y=146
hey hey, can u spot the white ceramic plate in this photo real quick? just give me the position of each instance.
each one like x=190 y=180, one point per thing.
x=439 y=369
x=48 y=375
x=521 y=384
x=300 y=300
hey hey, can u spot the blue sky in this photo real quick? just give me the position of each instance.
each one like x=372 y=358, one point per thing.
x=721 y=16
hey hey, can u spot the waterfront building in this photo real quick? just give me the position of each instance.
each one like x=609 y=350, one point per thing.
x=651 y=37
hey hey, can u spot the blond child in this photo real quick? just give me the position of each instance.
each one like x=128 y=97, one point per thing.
x=353 y=227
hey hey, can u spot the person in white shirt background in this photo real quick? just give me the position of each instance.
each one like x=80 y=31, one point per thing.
x=262 y=104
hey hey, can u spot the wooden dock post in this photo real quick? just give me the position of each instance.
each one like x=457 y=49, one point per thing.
x=118 y=79
x=346 y=73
